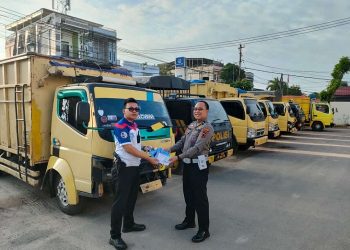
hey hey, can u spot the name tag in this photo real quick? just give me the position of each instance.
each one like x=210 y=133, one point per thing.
x=202 y=162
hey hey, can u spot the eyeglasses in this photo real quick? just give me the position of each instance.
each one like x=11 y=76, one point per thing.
x=132 y=109
x=198 y=109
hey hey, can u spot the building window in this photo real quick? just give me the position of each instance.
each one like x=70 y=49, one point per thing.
x=65 y=48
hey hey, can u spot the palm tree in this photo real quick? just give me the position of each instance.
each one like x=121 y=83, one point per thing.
x=277 y=85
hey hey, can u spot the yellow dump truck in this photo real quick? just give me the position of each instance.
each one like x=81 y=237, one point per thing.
x=56 y=126
x=318 y=115
x=271 y=118
x=286 y=117
x=244 y=112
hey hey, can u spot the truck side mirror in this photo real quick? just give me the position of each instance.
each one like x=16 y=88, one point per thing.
x=82 y=114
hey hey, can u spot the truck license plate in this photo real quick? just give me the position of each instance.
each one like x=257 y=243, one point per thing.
x=151 y=186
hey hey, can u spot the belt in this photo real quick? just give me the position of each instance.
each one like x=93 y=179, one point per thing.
x=189 y=160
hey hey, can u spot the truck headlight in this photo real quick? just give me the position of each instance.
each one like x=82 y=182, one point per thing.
x=271 y=126
x=251 y=133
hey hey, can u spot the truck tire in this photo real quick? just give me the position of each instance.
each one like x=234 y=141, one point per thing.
x=234 y=145
x=62 y=198
x=317 y=126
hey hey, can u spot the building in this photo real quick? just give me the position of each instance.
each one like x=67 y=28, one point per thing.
x=197 y=69
x=139 y=69
x=341 y=106
x=55 y=34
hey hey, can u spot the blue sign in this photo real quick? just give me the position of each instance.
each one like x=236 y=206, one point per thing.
x=180 y=62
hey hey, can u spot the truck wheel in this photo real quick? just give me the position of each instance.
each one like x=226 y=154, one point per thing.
x=317 y=126
x=62 y=198
x=234 y=145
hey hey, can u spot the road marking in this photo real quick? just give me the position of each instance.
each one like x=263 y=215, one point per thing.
x=309 y=143
x=302 y=152
x=313 y=138
x=326 y=134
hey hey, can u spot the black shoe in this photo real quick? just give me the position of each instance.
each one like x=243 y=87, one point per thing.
x=201 y=236
x=118 y=243
x=134 y=228
x=184 y=225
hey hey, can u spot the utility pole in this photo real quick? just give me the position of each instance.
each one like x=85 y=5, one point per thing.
x=233 y=72
x=240 y=61
x=281 y=87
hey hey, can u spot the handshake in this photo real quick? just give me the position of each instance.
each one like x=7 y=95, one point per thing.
x=160 y=156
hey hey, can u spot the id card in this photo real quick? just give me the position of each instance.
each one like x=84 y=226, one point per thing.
x=202 y=162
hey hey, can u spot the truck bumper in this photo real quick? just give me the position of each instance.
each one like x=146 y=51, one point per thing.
x=257 y=141
x=274 y=134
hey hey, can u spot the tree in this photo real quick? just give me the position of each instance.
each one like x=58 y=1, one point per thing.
x=243 y=84
x=277 y=85
x=294 y=90
x=165 y=69
x=227 y=73
x=341 y=68
x=315 y=95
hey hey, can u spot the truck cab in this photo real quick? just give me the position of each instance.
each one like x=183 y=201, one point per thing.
x=286 y=117
x=247 y=119
x=87 y=145
x=271 y=118
x=181 y=112
x=321 y=116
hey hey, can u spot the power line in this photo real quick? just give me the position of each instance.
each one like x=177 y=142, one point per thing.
x=12 y=10
x=253 y=39
x=284 y=69
x=301 y=76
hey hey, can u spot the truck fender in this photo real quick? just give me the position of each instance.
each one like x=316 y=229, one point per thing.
x=63 y=168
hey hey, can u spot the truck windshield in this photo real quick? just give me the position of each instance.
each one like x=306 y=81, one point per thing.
x=216 y=112
x=109 y=110
x=272 y=109
x=253 y=110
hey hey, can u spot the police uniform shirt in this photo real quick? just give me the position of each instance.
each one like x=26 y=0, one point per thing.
x=195 y=141
x=126 y=132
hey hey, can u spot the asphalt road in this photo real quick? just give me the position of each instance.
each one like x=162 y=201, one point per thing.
x=291 y=193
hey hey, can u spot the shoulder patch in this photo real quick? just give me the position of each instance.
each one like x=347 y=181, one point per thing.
x=205 y=131
x=124 y=135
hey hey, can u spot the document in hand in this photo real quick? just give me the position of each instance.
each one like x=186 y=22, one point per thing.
x=161 y=155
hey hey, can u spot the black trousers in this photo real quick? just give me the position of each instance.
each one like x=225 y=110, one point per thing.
x=195 y=193
x=127 y=188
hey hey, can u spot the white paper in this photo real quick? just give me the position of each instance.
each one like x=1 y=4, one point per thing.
x=202 y=162
x=163 y=157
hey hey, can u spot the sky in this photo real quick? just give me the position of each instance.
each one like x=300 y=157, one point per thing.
x=156 y=24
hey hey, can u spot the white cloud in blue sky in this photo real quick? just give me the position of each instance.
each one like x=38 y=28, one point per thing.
x=171 y=23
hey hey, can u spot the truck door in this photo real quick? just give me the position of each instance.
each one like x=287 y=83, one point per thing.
x=71 y=142
x=264 y=110
x=236 y=113
x=321 y=112
x=282 y=116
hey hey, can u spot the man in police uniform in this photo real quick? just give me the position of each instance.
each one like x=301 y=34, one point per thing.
x=128 y=149
x=194 y=146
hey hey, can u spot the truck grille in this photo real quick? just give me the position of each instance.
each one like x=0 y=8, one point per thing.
x=260 y=132
x=218 y=148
